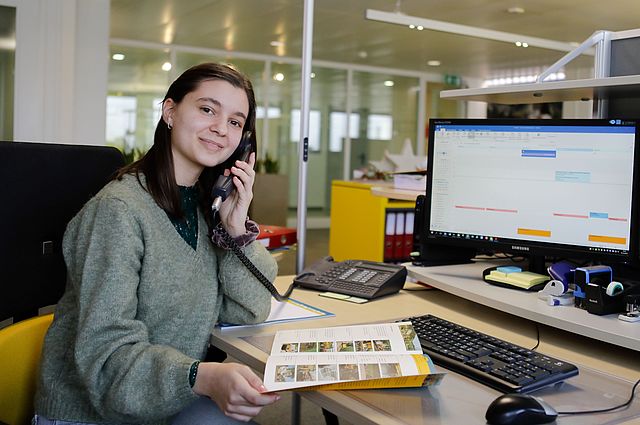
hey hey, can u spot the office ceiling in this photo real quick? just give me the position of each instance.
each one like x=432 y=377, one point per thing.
x=342 y=34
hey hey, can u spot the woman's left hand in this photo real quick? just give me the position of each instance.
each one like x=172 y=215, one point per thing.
x=234 y=210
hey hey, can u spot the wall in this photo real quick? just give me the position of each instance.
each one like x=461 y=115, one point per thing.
x=61 y=70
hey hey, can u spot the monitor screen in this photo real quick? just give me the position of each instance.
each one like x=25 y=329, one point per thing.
x=554 y=188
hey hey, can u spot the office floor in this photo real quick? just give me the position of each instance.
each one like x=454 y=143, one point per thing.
x=317 y=246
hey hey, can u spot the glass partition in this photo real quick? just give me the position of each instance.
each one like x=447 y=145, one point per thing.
x=138 y=80
x=383 y=113
x=387 y=109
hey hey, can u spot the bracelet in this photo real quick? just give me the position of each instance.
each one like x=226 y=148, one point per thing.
x=193 y=372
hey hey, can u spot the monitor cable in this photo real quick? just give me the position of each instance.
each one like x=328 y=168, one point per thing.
x=537 y=338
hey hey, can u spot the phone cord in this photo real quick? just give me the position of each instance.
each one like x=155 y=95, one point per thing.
x=253 y=269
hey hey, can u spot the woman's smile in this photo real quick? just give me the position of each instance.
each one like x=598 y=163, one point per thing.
x=211 y=145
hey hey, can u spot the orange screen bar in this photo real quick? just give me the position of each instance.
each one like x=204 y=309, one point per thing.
x=534 y=232
x=608 y=239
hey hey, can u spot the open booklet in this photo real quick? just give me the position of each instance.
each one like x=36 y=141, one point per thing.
x=384 y=355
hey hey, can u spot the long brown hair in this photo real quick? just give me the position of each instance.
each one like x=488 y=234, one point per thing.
x=157 y=164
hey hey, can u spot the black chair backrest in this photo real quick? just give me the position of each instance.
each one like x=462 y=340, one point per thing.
x=42 y=186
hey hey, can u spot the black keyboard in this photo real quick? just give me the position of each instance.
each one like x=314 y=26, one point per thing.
x=491 y=361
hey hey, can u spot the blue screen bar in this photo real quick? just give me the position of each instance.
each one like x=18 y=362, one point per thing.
x=617 y=129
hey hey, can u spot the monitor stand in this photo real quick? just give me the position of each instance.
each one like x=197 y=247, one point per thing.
x=443 y=255
x=537 y=264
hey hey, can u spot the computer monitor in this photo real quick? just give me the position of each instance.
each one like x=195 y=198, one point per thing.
x=43 y=185
x=560 y=189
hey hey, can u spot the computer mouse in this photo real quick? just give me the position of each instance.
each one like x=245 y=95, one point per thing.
x=519 y=409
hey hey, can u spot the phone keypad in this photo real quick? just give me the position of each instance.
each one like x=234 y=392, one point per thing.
x=352 y=288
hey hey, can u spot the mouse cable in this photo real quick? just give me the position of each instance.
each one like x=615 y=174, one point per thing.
x=620 y=406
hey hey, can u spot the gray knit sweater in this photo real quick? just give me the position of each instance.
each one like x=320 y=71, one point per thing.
x=138 y=309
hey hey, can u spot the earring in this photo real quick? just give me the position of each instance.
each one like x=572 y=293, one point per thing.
x=169 y=126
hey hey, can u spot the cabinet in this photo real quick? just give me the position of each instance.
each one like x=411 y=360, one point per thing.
x=358 y=219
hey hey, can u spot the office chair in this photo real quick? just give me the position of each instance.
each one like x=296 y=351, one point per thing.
x=20 y=350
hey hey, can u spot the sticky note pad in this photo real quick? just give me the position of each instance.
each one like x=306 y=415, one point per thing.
x=509 y=269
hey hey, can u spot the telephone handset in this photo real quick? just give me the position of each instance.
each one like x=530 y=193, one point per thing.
x=224 y=184
x=221 y=190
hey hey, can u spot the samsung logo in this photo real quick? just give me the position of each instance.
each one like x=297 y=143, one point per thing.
x=519 y=248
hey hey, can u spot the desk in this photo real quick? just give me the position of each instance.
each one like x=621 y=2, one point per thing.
x=393 y=193
x=466 y=281
x=457 y=400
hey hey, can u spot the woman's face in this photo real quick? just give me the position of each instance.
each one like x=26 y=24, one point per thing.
x=206 y=127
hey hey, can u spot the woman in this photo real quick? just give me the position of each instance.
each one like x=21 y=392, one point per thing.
x=144 y=283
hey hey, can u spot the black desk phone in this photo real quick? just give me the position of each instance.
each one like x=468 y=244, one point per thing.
x=364 y=279
x=360 y=278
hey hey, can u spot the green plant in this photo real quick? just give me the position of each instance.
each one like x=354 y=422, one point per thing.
x=132 y=155
x=268 y=165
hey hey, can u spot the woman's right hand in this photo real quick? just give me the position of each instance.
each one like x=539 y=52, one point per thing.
x=235 y=389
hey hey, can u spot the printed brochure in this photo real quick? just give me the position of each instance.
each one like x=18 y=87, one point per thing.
x=384 y=355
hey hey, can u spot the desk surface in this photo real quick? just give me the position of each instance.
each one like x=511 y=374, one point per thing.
x=393 y=193
x=466 y=281
x=458 y=399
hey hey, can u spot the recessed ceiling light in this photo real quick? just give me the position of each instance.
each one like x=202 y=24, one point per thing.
x=433 y=63
x=515 y=9
x=279 y=76
x=388 y=83
x=166 y=66
x=117 y=57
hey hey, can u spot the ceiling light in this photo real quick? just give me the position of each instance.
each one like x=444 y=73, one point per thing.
x=313 y=75
x=362 y=54
x=278 y=76
x=522 y=79
x=166 y=66
x=276 y=43
x=388 y=83
x=433 y=63
x=466 y=30
x=117 y=57
x=516 y=10
x=519 y=44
